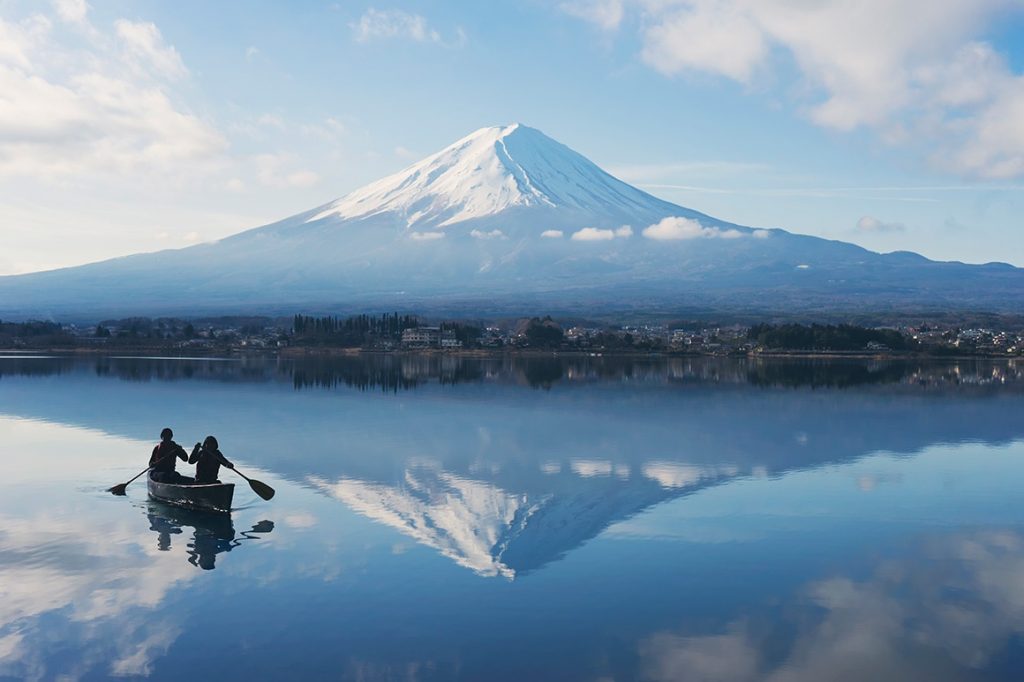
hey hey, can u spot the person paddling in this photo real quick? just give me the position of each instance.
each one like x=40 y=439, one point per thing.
x=208 y=460
x=165 y=456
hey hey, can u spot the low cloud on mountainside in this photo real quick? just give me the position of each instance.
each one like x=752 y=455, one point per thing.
x=594 y=234
x=678 y=229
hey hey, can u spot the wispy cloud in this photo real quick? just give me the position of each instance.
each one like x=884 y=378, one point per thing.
x=72 y=11
x=145 y=48
x=426 y=236
x=681 y=169
x=886 y=193
x=378 y=24
x=605 y=14
x=492 y=234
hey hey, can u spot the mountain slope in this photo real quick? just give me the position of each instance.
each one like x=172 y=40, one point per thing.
x=508 y=219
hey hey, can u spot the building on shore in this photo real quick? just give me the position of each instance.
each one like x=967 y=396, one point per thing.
x=430 y=337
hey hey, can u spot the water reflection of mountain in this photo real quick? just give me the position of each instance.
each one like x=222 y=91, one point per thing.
x=503 y=478
x=493 y=531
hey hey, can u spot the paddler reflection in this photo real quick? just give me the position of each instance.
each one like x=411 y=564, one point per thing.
x=212 y=533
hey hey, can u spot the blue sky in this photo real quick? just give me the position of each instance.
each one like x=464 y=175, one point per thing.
x=137 y=126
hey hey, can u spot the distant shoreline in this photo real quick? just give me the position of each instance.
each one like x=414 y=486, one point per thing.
x=293 y=353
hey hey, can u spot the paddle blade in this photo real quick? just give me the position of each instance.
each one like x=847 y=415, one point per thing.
x=119 y=489
x=261 y=489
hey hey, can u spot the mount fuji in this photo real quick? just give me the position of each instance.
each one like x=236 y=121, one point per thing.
x=507 y=219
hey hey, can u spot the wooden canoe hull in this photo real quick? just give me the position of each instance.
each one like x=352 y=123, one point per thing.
x=213 y=497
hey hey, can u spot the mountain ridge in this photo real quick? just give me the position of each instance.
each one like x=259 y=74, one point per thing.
x=509 y=219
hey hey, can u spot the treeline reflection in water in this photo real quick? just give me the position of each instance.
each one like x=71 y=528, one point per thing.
x=403 y=372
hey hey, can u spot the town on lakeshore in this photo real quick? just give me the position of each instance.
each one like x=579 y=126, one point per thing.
x=392 y=332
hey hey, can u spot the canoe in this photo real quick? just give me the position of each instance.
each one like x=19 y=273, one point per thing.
x=214 y=497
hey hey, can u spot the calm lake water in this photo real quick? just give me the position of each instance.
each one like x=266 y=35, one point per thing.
x=518 y=519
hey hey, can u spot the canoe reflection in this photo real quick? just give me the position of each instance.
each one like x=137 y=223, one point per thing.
x=212 y=533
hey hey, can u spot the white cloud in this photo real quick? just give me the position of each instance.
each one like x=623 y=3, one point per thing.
x=917 y=72
x=145 y=46
x=871 y=224
x=597 y=234
x=394 y=23
x=679 y=229
x=593 y=234
x=191 y=237
x=552 y=234
x=251 y=52
x=77 y=111
x=71 y=11
x=588 y=468
x=493 y=234
x=691 y=37
x=426 y=236
x=605 y=14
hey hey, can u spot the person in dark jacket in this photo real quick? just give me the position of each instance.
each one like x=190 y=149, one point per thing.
x=165 y=456
x=208 y=459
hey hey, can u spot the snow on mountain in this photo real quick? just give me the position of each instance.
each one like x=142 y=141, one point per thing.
x=509 y=220
x=491 y=171
x=494 y=532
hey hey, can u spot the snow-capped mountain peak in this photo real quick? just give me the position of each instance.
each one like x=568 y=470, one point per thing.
x=485 y=173
x=509 y=221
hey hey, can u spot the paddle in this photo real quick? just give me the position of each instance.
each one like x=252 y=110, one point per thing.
x=258 y=487
x=121 y=488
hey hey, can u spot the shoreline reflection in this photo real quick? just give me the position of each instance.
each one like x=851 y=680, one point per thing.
x=406 y=372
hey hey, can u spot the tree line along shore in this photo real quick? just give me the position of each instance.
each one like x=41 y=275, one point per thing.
x=395 y=332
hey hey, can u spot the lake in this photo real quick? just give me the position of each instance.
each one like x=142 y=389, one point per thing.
x=530 y=518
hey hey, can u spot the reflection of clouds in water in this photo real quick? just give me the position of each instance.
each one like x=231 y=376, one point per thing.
x=139 y=661
x=946 y=616
x=551 y=468
x=868 y=482
x=300 y=520
x=591 y=467
x=677 y=475
x=100 y=575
